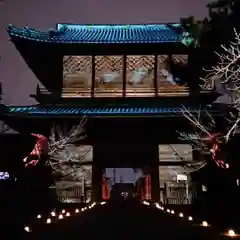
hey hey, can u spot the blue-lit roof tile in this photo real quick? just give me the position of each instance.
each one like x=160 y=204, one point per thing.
x=94 y=111
x=155 y=33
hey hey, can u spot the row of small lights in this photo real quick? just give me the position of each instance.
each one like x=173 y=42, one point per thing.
x=230 y=232
x=62 y=214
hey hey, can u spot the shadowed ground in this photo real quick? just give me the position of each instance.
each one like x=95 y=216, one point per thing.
x=127 y=220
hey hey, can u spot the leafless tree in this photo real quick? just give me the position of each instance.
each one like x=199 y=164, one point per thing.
x=64 y=157
x=226 y=73
x=205 y=138
x=189 y=166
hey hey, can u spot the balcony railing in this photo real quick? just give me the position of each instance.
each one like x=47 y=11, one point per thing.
x=138 y=92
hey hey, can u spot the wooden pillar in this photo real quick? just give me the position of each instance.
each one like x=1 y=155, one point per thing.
x=154 y=173
x=155 y=84
x=93 y=76
x=152 y=169
x=124 y=75
x=97 y=175
x=155 y=184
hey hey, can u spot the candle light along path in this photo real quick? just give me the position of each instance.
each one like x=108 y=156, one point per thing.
x=62 y=214
x=230 y=233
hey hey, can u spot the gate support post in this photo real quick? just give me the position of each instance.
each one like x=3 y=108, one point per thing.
x=155 y=184
x=97 y=172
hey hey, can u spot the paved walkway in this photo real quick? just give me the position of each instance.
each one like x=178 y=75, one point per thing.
x=124 y=221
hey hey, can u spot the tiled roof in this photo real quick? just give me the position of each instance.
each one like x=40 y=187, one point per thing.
x=95 y=111
x=67 y=33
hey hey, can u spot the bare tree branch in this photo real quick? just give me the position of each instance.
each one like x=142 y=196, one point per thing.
x=190 y=167
x=227 y=68
x=205 y=139
x=64 y=157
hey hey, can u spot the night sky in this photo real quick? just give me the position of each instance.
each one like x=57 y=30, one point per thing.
x=18 y=81
x=126 y=175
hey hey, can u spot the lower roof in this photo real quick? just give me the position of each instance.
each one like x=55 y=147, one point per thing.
x=49 y=111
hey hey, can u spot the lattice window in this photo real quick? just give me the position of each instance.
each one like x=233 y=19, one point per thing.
x=77 y=72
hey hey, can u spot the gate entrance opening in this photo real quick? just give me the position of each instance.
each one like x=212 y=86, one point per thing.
x=128 y=169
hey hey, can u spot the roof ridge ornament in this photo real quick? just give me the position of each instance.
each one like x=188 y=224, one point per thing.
x=10 y=27
x=54 y=33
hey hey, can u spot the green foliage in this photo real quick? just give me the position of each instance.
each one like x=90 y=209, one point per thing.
x=191 y=37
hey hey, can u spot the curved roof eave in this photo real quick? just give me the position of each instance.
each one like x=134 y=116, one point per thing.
x=102 y=34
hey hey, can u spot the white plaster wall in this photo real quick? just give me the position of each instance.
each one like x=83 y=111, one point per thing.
x=169 y=152
x=18 y=81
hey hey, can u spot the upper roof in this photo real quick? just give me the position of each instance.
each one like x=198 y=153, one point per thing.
x=104 y=34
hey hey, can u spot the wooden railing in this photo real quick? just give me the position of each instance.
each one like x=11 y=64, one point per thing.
x=70 y=192
x=133 y=92
x=177 y=193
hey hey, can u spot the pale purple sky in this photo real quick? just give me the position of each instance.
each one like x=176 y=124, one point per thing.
x=18 y=81
x=127 y=175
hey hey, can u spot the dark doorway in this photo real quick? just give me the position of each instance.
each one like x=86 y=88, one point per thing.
x=130 y=155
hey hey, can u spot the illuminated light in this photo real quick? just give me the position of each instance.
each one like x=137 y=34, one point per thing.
x=181 y=215
x=168 y=210
x=60 y=216
x=102 y=203
x=39 y=216
x=227 y=165
x=93 y=204
x=82 y=209
x=172 y=212
x=146 y=203
x=63 y=211
x=27 y=229
x=68 y=214
x=158 y=206
x=190 y=218
x=53 y=214
x=231 y=233
x=77 y=210
x=204 y=224
x=48 y=220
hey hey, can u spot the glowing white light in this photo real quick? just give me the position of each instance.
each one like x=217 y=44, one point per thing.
x=146 y=203
x=27 y=229
x=190 y=218
x=77 y=210
x=39 y=216
x=204 y=224
x=63 y=211
x=48 y=220
x=102 y=203
x=60 y=216
x=181 y=215
x=68 y=214
x=93 y=204
x=231 y=233
x=227 y=165
x=53 y=214
x=168 y=210
x=172 y=212
x=82 y=209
